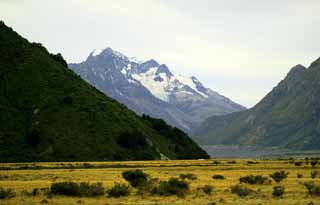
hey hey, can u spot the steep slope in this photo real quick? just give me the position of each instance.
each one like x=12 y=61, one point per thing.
x=151 y=88
x=289 y=116
x=48 y=113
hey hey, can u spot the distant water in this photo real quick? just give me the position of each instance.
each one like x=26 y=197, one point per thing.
x=243 y=151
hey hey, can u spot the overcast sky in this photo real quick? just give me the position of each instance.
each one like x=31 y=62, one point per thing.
x=240 y=48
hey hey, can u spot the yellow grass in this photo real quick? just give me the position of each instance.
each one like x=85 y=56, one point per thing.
x=21 y=180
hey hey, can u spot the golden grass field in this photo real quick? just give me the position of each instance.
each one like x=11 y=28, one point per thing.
x=110 y=172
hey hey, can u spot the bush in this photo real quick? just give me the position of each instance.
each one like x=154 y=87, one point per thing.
x=252 y=162
x=135 y=177
x=241 y=190
x=312 y=188
x=207 y=189
x=299 y=176
x=188 y=176
x=254 y=179
x=279 y=176
x=74 y=189
x=119 y=190
x=216 y=163
x=314 y=163
x=278 y=191
x=218 y=176
x=298 y=164
x=314 y=174
x=148 y=186
x=6 y=193
x=173 y=186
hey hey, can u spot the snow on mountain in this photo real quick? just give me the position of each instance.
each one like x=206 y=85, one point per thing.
x=151 y=88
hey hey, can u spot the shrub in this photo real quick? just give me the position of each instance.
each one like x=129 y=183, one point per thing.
x=74 y=189
x=148 y=186
x=207 y=189
x=252 y=162
x=135 y=177
x=188 y=176
x=216 y=163
x=173 y=186
x=278 y=191
x=279 y=176
x=314 y=163
x=232 y=162
x=298 y=164
x=312 y=188
x=218 y=176
x=254 y=179
x=299 y=176
x=119 y=190
x=6 y=193
x=241 y=190
x=314 y=174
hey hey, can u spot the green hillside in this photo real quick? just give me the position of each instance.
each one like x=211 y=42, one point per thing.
x=289 y=116
x=48 y=113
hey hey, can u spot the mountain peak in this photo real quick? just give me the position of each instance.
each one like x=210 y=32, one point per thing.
x=296 y=71
x=107 y=51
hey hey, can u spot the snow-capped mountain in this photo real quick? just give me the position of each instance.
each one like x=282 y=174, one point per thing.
x=151 y=88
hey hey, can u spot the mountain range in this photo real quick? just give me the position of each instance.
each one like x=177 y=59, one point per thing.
x=287 y=117
x=48 y=113
x=152 y=88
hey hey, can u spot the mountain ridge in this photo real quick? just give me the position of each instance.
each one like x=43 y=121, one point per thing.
x=151 y=88
x=288 y=116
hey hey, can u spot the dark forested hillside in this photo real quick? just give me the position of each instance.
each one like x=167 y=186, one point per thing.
x=48 y=113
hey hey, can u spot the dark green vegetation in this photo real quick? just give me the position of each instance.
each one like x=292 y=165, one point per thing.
x=173 y=186
x=48 y=113
x=287 y=117
x=75 y=189
x=178 y=141
x=278 y=191
x=279 y=176
x=207 y=189
x=6 y=193
x=135 y=177
x=119 y=190
x=241 y=190
x=255 y=179
x=313 y=189
x=218 y=176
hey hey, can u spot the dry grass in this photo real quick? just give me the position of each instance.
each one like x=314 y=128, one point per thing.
x=27 y=180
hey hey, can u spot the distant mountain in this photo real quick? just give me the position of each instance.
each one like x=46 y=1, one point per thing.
x=48 y=113
x=288 y=117
x=151 y=88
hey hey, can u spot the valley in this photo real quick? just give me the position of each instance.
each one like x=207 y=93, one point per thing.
x=24 y=178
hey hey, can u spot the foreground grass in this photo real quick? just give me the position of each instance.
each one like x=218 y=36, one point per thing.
x=23 y=178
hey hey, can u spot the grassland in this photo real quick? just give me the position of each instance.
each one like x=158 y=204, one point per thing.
x=24 y=177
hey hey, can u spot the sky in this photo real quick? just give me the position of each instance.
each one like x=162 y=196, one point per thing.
x=239 y=48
